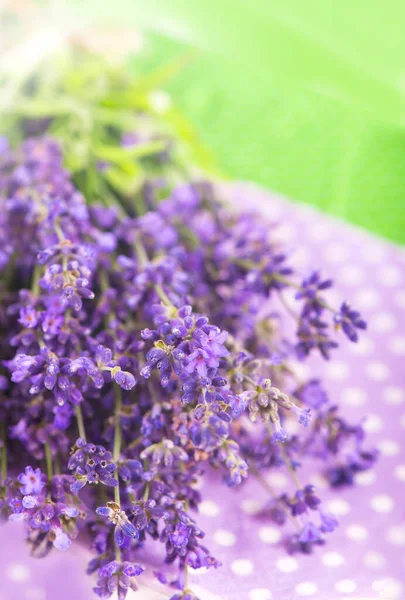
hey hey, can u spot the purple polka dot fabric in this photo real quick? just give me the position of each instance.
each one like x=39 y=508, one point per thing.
x=365 y=558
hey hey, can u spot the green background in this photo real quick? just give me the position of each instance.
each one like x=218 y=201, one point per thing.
x=306 y=97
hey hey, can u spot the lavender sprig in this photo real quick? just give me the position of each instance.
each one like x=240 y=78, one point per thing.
x=141 y=351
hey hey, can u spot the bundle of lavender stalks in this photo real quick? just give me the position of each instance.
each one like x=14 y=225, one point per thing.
x=145 y=337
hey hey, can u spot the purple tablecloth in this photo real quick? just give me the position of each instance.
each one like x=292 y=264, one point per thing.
x=365 y=558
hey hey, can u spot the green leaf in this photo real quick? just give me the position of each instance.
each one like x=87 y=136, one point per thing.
x=121 y=155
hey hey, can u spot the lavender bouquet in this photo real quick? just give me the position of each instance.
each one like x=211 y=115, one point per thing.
x=147 y=338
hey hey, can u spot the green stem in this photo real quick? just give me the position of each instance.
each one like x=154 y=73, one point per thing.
x=288 y=282
x=141 y=253
x=251 y=381
x=248 y=264
x=186 y=577
x=163 y=296
x=57 y=465
x=287 y=306
x=59 y=232
x=3 y=452
x=48 y=458
x=80 y=422
x=266 y=486
x=35 y=280
x=143 y=261
x=117 y=436
x=146 y=492
x=117 y=451
x=291 y=471
x=135 y=442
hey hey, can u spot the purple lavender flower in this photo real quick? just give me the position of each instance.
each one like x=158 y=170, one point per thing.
x=310 y=533
x=32 y=481
x=124 y=379
x=117 y=577
x=328 y=522
x=312 y=394
x=184 y=595
x=92 y=464
x=123 y=527
x=147 y=511
x=165 y=452
x=61 y=540
x=182 y=296
x=28 y=317
x=349 y=320
x=309 y=292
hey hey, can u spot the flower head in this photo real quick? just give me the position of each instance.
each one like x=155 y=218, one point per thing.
x=32 y=481
x=117 y=577
x=123 y=527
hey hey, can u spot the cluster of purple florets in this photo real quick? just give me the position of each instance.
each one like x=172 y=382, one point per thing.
x=143 y=350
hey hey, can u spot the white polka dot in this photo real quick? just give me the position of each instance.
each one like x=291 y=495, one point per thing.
x=287 y=564
x=390 y=276
x=390 y=589
x=373 y=253
x=396 y=345
x=306 y=588
x=399 y=472
x=339 y=507
x=334 y=297
x=399 y=298
x=389 y=447
x=319 y=231
x=373 y=423
x=319 y=481
x=301 y=258
x=396 y=535
x=208 y=508
x=366 y=298
x=336 y=253
x=251 y=507
x=365 y=477
x=225 y=538
x=286 y=232
x=382 y=503
x=363 y=347
x=18 y=572
x=332 y=559
x=260 y=594
x=393 y=589
x=374 y=560
x=270 y=534
x=351 y=275
x=353 y=396
x=393 y=395
x=337 y=370
x=273 y=210
x=383 y=323
x=277 y=479
x=199 y=571
x=377 y=586
x=357 y=533
x=292 y=426
x=346 y=586
x=242 y=566
x=377 y=371
x=35 y=593
x=301 y=370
